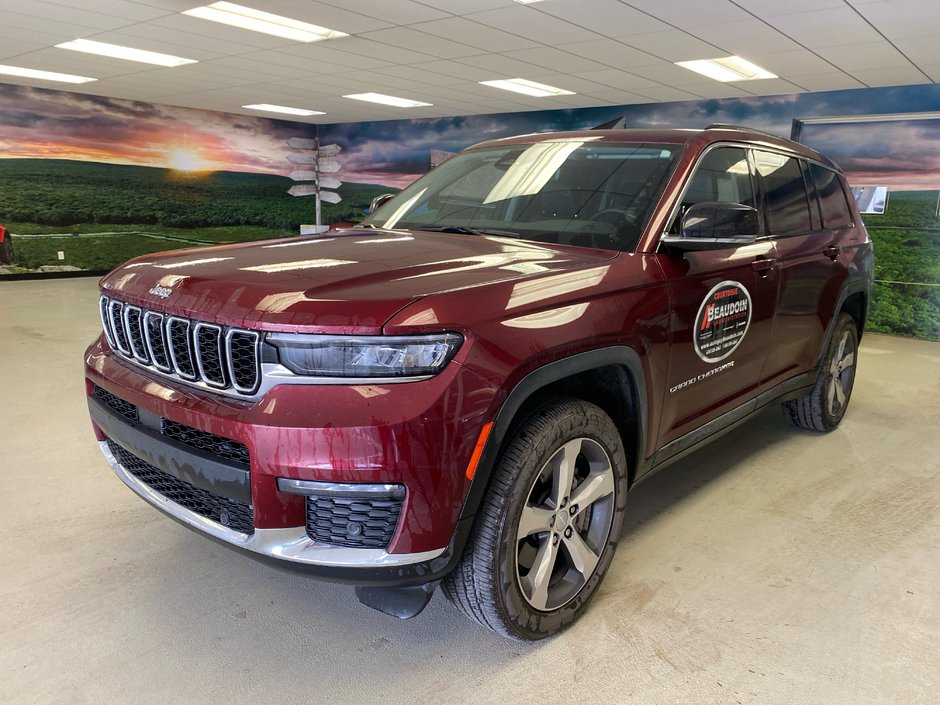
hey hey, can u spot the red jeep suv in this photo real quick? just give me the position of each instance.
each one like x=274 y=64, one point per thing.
x=463 y=389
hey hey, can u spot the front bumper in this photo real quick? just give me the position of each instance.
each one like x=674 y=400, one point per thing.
x=420 y=437
x=355 y=565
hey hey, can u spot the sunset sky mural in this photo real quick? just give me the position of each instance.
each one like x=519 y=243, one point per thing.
x=36 y=123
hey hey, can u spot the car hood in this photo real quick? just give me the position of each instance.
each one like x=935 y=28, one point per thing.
x=348 y=281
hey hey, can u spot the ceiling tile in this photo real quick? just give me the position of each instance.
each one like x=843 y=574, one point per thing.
x=553 y=59
x=502 y=66
x=481 y=36
x=748 y=38
x=769 y=8
x=794 y=61
x=668 y=93
x=529 y=23
x=685 y=14
x=902 y=19
x=618 y=79
x=920 y=50
x=831 y=81
x=455 y=69
x=606 y=17
x=767 y=86
x=398 y=12
x=426 y=43
x=376 y=50
x=854 y=57
x=897 y=76
x=610 y=52
x=672 y=45
x=818 y=29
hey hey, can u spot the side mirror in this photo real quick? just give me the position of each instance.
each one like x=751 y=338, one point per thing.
x=716 y=225
x=380 y=201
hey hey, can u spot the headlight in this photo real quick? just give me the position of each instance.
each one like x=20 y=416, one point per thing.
x=365 y=356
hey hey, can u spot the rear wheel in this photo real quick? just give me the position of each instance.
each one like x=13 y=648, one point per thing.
x=823 y=408
x=546 y=532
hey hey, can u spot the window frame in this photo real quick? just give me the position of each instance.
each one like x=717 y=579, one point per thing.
x=755 y=188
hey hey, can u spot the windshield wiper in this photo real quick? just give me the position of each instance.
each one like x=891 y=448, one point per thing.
x=466 y=230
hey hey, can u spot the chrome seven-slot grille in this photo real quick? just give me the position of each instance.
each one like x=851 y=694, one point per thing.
x=225 y=359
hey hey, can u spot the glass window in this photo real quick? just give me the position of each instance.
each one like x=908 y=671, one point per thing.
x=835 y=207
x=723 y=174
x=577 y=191
x=785 y=193
x=814 y=214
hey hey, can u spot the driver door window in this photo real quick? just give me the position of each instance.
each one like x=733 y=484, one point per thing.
x=724 y=174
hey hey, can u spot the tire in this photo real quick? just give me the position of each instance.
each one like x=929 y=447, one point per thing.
x=532 y=587
x=825 y=406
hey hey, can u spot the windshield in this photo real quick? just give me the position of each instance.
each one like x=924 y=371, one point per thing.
x=569 y=191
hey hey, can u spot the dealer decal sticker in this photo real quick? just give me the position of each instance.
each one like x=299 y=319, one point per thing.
x=722 y=321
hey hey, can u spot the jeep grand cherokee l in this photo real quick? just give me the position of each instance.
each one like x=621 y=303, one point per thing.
x=462 y=390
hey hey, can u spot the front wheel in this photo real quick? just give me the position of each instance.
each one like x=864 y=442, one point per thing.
x=548 y=526
x=823 y=408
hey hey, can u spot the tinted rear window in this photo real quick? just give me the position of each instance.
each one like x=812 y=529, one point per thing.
x=835 y=207
x=785 y=193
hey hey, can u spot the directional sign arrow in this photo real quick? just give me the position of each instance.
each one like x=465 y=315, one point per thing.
x=329 y=196
x=302 y=175
x=302 y=143
x=302 y=157
x=303 y=190
x=326 y=166
x=330 y=150
x=329 y=182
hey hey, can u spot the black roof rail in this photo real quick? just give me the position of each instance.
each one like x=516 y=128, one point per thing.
x=730 y=126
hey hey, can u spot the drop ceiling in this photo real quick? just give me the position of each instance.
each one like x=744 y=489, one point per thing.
x=608 y=52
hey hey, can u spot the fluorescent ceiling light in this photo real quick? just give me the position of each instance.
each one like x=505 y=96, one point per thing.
x=119 y=52
x=521 y=85
x=527 y=2
x=728 y=68
x=43 y=75
x=267 y=107
x=387 y=100
x=257 y=21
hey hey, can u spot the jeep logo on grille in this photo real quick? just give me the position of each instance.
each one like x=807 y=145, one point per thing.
x=161 y=291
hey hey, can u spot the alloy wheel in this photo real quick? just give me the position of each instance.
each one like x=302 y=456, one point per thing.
x=565 y=524
x=841 y=372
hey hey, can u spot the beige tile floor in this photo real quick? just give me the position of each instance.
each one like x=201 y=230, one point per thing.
x=780 y=567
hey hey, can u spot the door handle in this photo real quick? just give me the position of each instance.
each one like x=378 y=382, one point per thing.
x=763 y=265
x=833 y=252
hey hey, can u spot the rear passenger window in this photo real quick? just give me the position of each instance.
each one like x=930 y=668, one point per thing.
x=785 y=194
x=835 y=207
x=723 y=174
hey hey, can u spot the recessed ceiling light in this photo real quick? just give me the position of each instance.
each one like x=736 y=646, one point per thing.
x=257 y=21
x=521 y=85
x=728 y=68
x=387 y=100
x=44 y=75
x=527 y=2
x=119 y=52
x=267 y=107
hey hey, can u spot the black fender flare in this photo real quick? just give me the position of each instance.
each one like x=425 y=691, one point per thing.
x=850 y=288
x=540 y=378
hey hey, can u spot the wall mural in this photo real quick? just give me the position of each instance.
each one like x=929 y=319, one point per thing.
x=87 y=182
x=100 y=180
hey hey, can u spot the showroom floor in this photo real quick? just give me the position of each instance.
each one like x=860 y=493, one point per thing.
x=775 y=567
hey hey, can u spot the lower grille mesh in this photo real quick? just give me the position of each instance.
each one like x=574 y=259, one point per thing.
x=354 y=522
x=219 y=446
x=228 y=512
